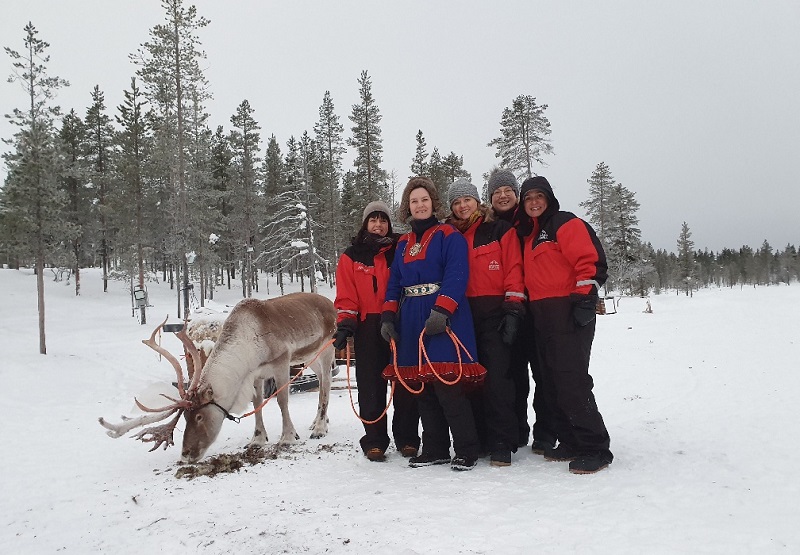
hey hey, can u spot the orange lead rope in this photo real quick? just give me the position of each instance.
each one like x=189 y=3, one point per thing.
x=422 y=352
x=350 y=391
x=393 y=345
x=287 y=384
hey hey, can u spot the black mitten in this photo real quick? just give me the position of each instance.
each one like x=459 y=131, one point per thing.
x=584 y=308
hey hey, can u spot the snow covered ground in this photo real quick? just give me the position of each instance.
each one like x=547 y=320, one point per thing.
x=700 y=399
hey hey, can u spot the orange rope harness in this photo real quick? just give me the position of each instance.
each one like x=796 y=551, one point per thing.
x=287 y=384
x=423 y=355
x=350 y=391
x=457 y=343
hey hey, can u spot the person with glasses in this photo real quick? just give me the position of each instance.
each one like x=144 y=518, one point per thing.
x=503 y=191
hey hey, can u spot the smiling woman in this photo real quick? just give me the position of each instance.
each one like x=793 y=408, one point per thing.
x=495 y=292
x=535 y=203
x=361 y=278
x=564 y=266
x=428 y=278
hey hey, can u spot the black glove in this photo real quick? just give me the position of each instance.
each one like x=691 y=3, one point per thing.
x=345 y=329
x=584 y=308
x=436 y=323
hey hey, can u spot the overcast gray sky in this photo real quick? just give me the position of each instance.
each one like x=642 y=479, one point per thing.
x=694 y=105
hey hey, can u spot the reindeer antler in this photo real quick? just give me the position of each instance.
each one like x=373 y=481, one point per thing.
x=159 y=434
x=162 y=435
x=167 y=355
x=128 y=424
x=197 y=364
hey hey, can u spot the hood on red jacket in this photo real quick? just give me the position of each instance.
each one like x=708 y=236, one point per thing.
x=523 y=222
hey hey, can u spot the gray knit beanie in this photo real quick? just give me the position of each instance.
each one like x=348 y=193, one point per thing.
x=376 y=206
x=502 y=178
x=461 y=187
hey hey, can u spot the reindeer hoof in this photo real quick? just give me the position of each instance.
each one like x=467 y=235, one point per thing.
x=288 y=439
x=319 y=428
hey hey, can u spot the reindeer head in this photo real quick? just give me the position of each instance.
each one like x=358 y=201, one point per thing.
x=203 y=423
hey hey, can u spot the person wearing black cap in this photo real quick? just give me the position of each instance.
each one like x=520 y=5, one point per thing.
x=503 y=191
x=496 y=298
x=565 y=266
x=361 y=279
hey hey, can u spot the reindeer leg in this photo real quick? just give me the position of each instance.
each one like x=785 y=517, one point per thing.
x=281 y=373
x=260 y=432
x=322 y=368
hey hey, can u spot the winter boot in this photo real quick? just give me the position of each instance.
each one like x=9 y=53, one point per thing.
x=561 y=453
x=463 y=463
x=501 y=457
x=589 y=464
x=540 y=446
x=376 y=454
x=427 y=460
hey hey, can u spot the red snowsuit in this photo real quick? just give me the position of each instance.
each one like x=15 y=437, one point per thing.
x=495 y=287
x=361 y=279
x=563 y=263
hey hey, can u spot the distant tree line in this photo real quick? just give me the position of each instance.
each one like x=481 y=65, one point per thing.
x=149 y=190
x=636 y=268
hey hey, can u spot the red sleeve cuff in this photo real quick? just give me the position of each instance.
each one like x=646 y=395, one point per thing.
x=445 y=302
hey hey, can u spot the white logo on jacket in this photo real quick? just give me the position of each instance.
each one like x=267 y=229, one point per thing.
x=494 y=266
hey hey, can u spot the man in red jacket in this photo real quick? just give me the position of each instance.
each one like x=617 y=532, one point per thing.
x=565 y=265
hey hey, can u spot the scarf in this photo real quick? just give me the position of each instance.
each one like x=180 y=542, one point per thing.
x=464 y=225
x=375 y=242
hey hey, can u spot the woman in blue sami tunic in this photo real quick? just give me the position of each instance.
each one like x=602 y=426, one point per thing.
x=426 y=291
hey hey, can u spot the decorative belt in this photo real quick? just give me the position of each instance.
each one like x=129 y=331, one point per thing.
x=421 y=289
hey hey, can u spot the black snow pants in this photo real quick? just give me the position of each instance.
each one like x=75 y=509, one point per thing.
x=523 y=355
x=493 y=403
x=445 y=409
x=564 y=350
x=372 y=356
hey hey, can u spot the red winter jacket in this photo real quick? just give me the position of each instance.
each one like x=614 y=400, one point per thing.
x=495 y=261
x=562 y=256
x=361 y=279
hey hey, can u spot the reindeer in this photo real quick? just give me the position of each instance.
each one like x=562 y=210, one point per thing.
x=260 y=339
